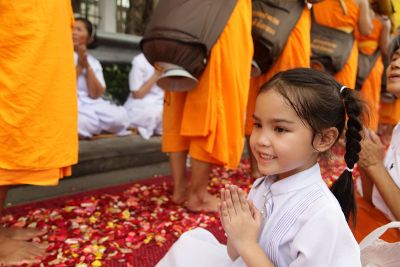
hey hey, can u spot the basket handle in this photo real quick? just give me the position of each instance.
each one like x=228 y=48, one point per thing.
x=374 y=235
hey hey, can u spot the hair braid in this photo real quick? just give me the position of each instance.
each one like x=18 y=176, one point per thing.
x=343 y=187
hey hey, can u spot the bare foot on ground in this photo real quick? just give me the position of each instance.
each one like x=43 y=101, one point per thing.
x=23 y=234
x=180 y=196
x=207 y=203
x=181 y=193
x=17 y=252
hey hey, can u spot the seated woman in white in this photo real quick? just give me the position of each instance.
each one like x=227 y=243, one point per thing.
x=96 y=115
x=145 y=105
x=381 y=178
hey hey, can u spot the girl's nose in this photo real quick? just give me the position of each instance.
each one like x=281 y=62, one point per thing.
x=263 y=140
x=395 y=64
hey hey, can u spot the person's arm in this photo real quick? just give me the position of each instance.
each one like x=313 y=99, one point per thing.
x=254 y=256
x=146 y=87
x=384 y=39
x=95 y=88
x=388 y=189
x=367 y=186
x=371 y=162
x=364 y=18
x=79 y=70
x=233 y=254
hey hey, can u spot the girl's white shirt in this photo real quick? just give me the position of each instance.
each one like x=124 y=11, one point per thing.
x=306 y=228
x=392 y=165
x=83 y=91
x=315 y=232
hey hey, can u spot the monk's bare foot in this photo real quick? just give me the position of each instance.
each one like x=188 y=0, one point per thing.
x=180 y=197
x=17 y=252
x=180 y=194
x=21 y=233
x=206 y=202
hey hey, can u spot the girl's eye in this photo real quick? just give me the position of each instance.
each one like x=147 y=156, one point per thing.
x=280 y=130
x=257 y=125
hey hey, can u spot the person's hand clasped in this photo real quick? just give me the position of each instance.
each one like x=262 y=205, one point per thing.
x=240 y=219
x=372 y=150
x=82 y=56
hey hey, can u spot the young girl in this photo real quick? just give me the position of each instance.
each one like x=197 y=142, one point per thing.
x=95 y=114
x=295 y=219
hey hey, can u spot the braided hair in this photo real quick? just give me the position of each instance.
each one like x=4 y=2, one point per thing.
x=321 y=102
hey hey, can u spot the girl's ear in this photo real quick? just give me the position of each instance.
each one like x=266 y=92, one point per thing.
x=325 y=140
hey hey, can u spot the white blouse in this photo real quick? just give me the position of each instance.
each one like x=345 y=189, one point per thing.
x=83 y=92
x=141 y=72
x=392 y=165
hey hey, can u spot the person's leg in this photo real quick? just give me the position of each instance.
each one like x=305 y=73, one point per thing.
x=177 y=161
x=16 y=233
x=13 y=246
x=3 y=195
x=199 y=198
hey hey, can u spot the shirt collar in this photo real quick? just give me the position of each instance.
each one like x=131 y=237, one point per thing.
x=295 y=182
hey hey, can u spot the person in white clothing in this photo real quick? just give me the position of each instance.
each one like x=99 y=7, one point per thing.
x=291 y=217
x=145 y=105
x=95 y=115
x=381 y=179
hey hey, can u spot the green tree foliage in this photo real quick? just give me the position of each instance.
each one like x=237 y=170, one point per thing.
x=117 y=81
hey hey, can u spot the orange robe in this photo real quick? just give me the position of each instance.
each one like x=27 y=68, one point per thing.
x=38 y=102
x=390 y=113
x=295 y=54
x=209 y=120
x=371 y=89
x=330 y=13
x=368 y=219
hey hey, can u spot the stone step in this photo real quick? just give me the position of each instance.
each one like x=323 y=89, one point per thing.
x=102 y=162
x=117 y=153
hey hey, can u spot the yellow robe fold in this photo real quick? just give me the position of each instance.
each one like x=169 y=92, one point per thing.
x=209 y=120
x=295 y=54
x=38 y=102
x=330 y=13
x=371 y=89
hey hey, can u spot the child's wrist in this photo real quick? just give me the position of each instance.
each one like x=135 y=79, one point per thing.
x=246 y=248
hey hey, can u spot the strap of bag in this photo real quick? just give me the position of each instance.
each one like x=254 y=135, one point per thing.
x=374 y=235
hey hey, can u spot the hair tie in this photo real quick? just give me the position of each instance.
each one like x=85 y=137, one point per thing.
x=343 y=87
x=348 y=169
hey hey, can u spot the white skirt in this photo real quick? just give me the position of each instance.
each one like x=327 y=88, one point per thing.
x=196 y=248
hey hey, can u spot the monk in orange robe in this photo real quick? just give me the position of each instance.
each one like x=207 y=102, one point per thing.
x=295 y=54
x=208 y=122
x=371 y=88
x=346 y=15
x=389 y=113
x=368 y=219
x=38 y=107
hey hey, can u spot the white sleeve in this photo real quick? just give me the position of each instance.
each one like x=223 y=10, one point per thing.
x=325 y=240
x=137 y=74
x=98 y=71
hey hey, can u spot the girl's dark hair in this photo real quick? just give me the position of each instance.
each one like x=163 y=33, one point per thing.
x=91 y=30
x=394 y=45
x=316 y=98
